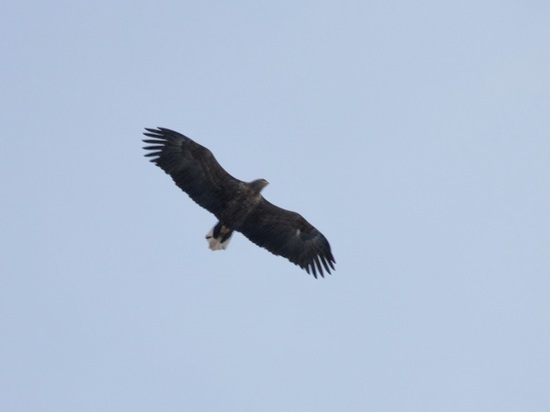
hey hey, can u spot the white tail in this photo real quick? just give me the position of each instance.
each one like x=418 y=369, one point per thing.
x=216 y=243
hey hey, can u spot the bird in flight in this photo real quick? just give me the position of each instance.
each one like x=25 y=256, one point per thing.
x=238 y=206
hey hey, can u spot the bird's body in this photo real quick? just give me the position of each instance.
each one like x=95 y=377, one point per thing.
x=239 y=206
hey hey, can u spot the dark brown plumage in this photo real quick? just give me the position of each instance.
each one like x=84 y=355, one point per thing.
x=238 y=205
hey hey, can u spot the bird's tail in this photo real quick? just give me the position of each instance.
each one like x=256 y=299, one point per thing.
x=218 y=237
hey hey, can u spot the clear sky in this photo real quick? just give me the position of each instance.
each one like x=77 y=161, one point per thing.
x=414 y=135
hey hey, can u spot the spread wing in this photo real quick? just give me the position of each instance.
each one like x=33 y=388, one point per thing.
x=192 y=167
x=288 y=234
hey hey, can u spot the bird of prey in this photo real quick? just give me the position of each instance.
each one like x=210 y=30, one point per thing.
x=238 y=206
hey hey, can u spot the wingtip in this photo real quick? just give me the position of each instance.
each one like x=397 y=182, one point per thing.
x=152 y=130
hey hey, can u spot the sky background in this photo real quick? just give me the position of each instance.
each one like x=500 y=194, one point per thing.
x=414 y=135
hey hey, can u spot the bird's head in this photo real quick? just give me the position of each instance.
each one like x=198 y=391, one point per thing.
x=258 y=184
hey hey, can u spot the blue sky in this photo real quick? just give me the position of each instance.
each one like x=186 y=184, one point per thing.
x=414 y=135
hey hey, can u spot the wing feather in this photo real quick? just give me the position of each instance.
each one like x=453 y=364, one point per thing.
x=288 y=234
x=192 y=167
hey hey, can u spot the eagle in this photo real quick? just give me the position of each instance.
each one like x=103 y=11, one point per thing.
x=238 y=206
